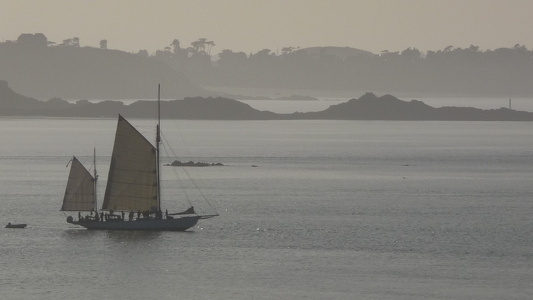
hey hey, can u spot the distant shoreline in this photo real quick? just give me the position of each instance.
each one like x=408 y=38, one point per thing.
x=290 y=106
x=366 y=107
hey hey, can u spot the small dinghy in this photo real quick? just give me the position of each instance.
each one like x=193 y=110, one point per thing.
x=9 y=225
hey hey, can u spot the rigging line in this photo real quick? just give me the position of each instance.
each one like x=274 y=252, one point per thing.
x=84 y=163
x=165 y=149
x=182 y=141
x=191 y=178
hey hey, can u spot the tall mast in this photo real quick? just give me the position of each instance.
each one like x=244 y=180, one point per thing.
x=157 y=142
x=95 y=179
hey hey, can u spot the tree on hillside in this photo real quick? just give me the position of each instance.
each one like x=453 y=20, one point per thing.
x=142 y=53
x=288 y=50
x=176 y=46
x=451 y=70
x=230 y=59
x=103 y=44
x=411 y=55
x=73 y=42
x=202 y=46
x=32 y=40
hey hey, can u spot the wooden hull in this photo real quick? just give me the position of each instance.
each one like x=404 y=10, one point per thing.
x=178 y=224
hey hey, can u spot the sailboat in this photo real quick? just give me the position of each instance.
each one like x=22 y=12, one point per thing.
x=133 y=188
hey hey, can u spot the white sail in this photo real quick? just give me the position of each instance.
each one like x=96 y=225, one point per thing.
x=132 y=179
x=79 y=194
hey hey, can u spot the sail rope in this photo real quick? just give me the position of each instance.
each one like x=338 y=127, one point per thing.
x=204 y=197
x=166 y=150
x=85 y=162
x=182 y=141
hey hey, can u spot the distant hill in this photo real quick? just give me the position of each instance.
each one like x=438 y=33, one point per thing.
x=367 y=107
x=387 y=107
x=339 y=52
x=13 y=104
x=42 y=70
x=70 y=72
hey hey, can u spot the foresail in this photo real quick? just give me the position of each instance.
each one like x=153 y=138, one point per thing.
x=79 y=194
x=132 y=179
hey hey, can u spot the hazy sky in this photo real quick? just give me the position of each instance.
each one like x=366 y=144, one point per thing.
x=252 y=25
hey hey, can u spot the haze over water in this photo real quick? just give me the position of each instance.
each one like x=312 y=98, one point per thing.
x=333 y=210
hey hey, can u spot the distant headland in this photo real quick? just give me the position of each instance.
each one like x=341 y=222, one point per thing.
x=42 y=69
x=366 y=107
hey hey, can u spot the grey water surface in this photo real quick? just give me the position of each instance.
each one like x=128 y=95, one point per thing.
x=333 y=210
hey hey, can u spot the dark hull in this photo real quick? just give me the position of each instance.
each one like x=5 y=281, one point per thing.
x=178 y=224
x=16 y=226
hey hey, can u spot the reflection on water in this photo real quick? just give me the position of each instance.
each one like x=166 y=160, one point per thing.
x=120 y=235
x=116 y=235
x=79 y=233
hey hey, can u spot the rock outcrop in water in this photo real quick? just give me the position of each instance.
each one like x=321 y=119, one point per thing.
x=367 y=107
x=191 y=163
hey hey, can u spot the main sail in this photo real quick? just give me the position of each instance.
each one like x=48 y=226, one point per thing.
x=132 y=179
x=79 y=194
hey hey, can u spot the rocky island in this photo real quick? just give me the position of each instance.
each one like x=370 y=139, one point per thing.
x=191 y=163
x=367 y=107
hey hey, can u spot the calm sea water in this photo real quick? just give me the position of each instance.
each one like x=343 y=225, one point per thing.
x=333 y=210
